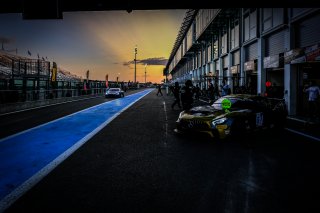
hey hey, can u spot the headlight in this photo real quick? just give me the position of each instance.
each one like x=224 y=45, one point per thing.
x=219 y=121
x=180 y=115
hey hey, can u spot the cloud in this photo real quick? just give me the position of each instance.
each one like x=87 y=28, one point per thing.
x=128 y=63
x=149 y=61
x=155 y=61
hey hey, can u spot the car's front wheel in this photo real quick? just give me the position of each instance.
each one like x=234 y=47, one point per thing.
x=216 y=136
x=239 y=127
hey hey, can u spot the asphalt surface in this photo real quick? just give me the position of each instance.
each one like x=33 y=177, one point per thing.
x=138 y=164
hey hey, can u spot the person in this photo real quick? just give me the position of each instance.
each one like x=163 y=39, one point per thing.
x=176 y=94
x=187 y=95
x=159 y=90
x=197 y=92
x=216 y=90
x=170 y=90
x=274 y=91
x=211 y=92
x=225 y=89
x=313 y=96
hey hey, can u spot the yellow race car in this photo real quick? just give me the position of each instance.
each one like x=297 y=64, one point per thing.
x=233 y=115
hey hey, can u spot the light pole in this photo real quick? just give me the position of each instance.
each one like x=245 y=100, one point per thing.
x=118 y=77
x=145 y=74
x=135 y=63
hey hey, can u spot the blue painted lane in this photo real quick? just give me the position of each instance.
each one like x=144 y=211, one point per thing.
x=25 y=154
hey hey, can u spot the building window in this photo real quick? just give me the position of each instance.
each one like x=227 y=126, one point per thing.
x=246 y=29
x=224 y=43
x=267 y=18
x=209 y=51
x=272 y=17
x=215 y=49
x=234 y=34
x=250 y=25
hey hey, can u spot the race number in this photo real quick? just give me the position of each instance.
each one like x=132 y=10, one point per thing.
x=259 y=119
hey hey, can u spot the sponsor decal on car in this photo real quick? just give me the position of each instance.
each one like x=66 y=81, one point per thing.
x=222 y=127
x=259 y=119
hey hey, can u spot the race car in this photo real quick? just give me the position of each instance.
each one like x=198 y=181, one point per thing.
x=114 y=92
x=233 y=115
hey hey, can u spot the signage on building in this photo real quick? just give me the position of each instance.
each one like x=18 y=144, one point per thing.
x=299 y=55
x=273 y=61
x=209 y=75
x=250 y=66
x=291 y=55
x=234 y=69
x=54 y=72
x=312 y=53
x=298 y=60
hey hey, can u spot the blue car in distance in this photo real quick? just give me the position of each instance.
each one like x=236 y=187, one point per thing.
x=114 y=93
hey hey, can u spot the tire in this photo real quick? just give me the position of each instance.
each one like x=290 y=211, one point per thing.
x=238 y=129
x=216 y=135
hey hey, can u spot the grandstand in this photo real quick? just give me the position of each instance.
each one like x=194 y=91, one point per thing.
x=24 y=79
x=26 y=82
x=64 y=75
x=14 y=65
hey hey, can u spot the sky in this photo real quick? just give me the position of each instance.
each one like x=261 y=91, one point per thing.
x=102 y=42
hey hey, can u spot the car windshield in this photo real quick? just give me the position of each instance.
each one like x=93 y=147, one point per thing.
x=114 y=90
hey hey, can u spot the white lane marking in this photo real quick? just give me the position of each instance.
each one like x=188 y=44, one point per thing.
x=166 y=123
x=303 y=134
x=249 y=182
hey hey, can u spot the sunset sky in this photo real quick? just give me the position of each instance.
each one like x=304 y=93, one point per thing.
x=102 y=42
